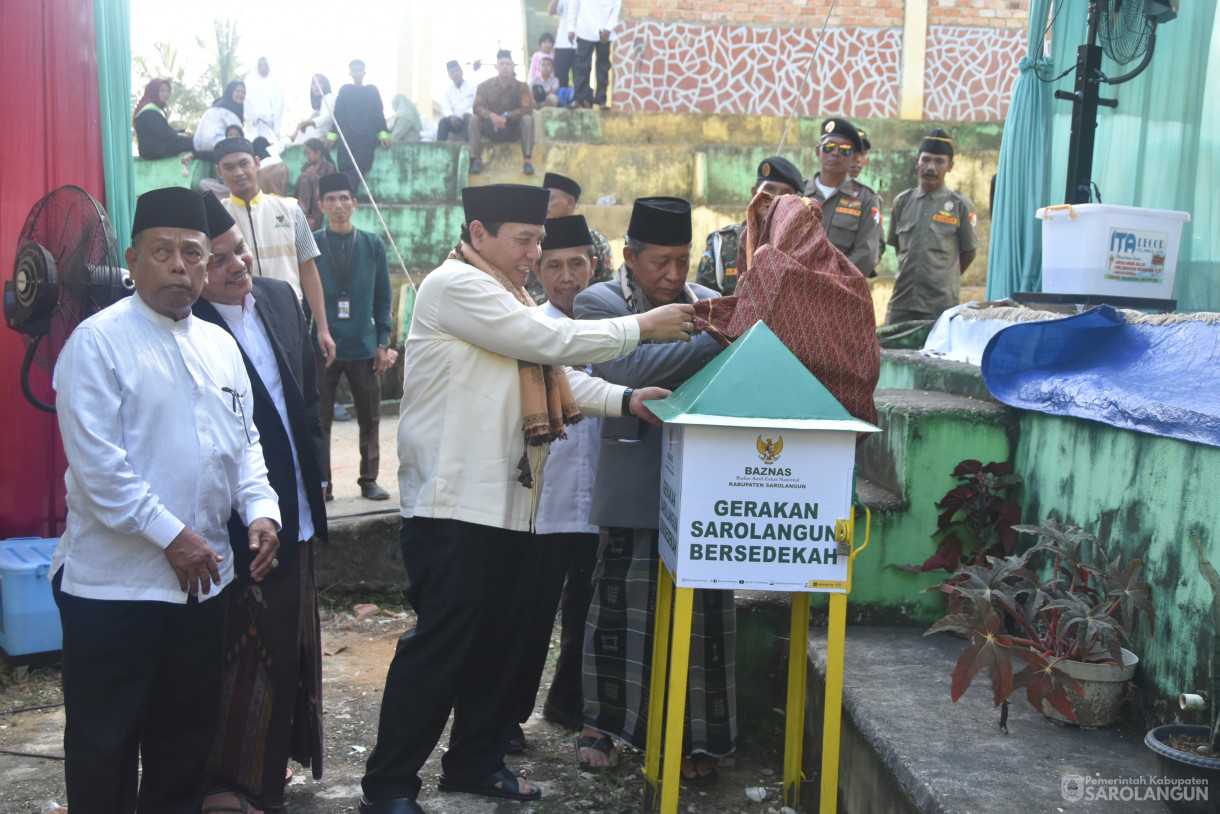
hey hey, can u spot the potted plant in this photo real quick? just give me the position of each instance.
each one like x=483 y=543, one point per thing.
x=1061 y=612
x=977 y=518
x=1189 y=752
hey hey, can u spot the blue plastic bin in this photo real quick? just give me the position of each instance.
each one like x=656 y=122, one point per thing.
x=29 y=618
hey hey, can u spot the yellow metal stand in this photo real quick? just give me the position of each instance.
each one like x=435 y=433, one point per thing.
x=662 y=777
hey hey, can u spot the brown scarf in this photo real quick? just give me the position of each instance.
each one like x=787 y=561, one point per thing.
x=547 y=403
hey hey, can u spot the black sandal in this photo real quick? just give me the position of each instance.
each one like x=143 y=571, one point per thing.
x=602 y=744
x=509 y=788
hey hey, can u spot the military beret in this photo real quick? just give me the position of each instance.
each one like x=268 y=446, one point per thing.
x=170 y=207
x=844 y=129
x=506 y=203
x=779 y=169
x=864 y=139
x=937 y=142
x=660 y=221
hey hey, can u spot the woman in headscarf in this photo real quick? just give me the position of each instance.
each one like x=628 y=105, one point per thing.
x=155 y=137
x=319 y=125
x=224 y=113
x=317 y=163
x=406 y=124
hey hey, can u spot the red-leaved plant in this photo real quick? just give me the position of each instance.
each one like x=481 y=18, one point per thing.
x=977 y=518
x=1083 y=610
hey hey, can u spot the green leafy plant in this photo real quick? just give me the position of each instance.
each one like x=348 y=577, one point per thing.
x=1084 y=608
x=977 y=518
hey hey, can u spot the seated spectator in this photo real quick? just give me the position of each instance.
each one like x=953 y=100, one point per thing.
x=546 y=50
x=406 y=125
x=234 y=131
x=317 y=164
x=225 y=112
x=546 y=86
x=272 y=171
x=319 y=125
x=154 y=135
x=457 y=105
x=503 y=112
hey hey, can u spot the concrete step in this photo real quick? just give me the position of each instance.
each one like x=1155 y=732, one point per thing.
x=912 y=370
x=906 y=748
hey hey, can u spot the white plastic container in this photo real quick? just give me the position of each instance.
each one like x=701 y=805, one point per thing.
x=1117 y=251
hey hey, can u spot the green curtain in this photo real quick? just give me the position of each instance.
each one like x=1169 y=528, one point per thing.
x=1158 y=149
x=1014 y=260
x=112 y=30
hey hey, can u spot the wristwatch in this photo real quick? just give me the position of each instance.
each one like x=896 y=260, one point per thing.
x=627 y=400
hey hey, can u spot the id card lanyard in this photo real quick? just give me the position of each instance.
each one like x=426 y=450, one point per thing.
x=343 y=305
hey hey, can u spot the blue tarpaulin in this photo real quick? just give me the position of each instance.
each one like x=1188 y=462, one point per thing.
x=1154 y=374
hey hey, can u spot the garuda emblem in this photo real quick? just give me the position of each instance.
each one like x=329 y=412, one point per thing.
x=769 y=450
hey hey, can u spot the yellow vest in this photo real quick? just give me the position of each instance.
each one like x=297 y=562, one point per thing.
x=268 y=223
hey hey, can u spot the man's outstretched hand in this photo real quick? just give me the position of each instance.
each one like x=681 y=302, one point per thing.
x=643 y=394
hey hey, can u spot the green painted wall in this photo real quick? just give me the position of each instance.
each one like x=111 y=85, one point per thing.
x=420 y=173
x=167 y=172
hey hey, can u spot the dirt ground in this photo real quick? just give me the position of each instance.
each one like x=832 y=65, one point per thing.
x=357 y=650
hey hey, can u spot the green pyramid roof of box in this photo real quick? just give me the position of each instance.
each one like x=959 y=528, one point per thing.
x=757 y=382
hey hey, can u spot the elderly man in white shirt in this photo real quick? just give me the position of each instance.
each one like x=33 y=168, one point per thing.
x=591 y=25
x=486 y=397
x=154 y=410
x=566 y=540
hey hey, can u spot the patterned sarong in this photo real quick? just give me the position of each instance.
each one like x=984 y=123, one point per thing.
x=807 y=292
x=618 y=650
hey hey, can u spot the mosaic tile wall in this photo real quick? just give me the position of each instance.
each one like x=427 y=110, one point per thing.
x=688 y=67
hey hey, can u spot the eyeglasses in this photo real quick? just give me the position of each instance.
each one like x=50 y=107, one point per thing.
x=844 y=150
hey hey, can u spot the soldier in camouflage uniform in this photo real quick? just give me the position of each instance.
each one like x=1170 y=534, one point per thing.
x=718 y=266
x=564 y=194
x=851 y=212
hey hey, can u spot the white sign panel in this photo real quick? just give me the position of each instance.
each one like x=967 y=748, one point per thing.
x=755 y=508
x=1136 y=255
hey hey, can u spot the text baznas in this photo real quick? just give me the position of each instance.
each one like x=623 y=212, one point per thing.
x=741 y=530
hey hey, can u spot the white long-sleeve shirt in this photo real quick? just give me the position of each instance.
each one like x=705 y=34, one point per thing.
x=567 y=488
x=459 y=99
x=155 y=442
x=589 y=18
x=251 y=334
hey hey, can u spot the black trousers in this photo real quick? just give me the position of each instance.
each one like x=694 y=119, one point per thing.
x=469 y=585
x=584 y=66
x=366 y=398
x=444 y=127
x=564 y=566
x=563 y=60
x=141 y=685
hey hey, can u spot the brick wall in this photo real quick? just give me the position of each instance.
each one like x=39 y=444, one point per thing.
x=810 y=13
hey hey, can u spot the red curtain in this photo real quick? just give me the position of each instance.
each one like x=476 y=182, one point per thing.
x=52 y=137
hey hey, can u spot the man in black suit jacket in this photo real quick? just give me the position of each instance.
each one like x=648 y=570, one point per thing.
x=272 y=699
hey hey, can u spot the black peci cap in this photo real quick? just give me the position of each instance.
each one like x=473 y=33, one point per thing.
x=661 y=221
x=333 y=182
x=232 y=145
x=506 y=203
x=219 y=219
x=171 y=207
x=566 y=233
x=553 y=180
x=937 y=142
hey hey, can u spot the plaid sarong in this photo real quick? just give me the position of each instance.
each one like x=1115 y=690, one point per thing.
x=792 y=277
x=618 y=650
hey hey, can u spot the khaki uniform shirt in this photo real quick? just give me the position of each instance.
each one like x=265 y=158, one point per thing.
x=930 y=231
x=718 y=266
x=851 y=217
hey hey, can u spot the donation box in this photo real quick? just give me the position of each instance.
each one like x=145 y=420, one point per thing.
x=758 y=465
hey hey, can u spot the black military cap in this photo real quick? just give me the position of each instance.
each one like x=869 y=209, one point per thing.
x=334 y=182
x=170 y=207
x=566 y=232
x=553 y=180
x=843 y=128
x=232 y=145
x=937 y=142
x=660 y=221
x=219 y=219
x=506 y=203
x=779 y=169
x=864 y=139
